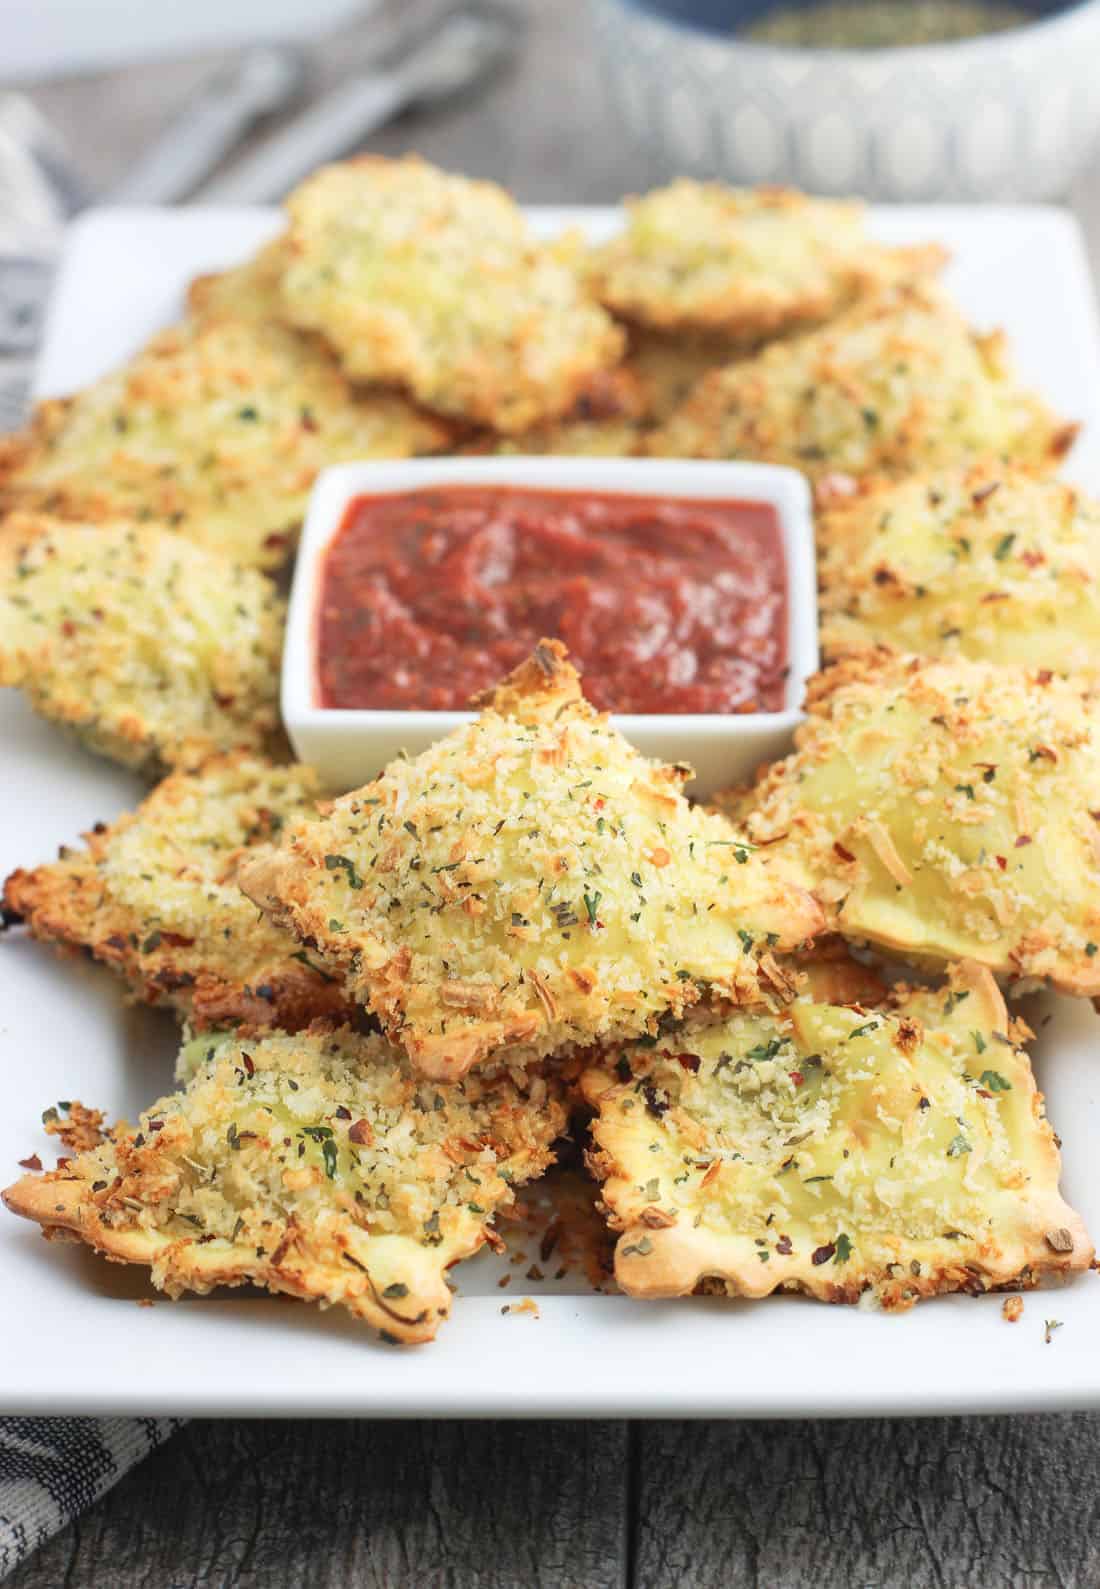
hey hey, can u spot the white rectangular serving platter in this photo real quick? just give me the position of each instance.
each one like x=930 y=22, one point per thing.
x=75 y=1339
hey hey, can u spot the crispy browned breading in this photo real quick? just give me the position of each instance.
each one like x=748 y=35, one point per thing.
x=317 y=1165
x=745 y=263
x=152 y=650
x=901 y=1152
x=154 y=896
x=945 y=809
x=218 y=428
x=899 y=386
x=434 y=281
x=530 y=880
x=986 y=562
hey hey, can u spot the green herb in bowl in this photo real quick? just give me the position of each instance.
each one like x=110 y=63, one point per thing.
x=887 y=24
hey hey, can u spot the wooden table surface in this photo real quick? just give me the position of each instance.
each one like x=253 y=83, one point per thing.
x=943 y=1503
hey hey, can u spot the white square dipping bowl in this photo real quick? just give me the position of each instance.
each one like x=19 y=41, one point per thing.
x=348 y=748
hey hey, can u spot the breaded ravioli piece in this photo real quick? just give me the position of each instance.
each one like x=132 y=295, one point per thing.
x=896 y=387
x=607 y=420
x=746 y=263
x=986 y=562
x=531 y=881
x=248 y=291
x=834 y=1151
x=434 y=282
x=318 y=1165
x=947 y=810
x=217 y=427
x=155 y=897
x=152 y=649
x=668 y=365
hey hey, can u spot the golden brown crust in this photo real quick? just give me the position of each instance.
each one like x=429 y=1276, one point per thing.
x=487 y=325
x=189 y=668
x=744 y=263
x=217 y=428
x=824 y=1152
x=946 y=809
x=154 y=897
x=530 y=880
x=309 y=1165
x=987 y=562
x=899 y=385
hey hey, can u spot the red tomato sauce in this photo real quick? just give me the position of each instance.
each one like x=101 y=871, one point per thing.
x=666 y=604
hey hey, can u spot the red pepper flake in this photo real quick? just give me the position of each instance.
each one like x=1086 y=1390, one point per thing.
x=361 y=1134
x=1043 y=676
x=600 y=803
x=68 y=628
x=33 y=1163
x=688 y=1061
x=797 y=1077
x=1022 y=840
x=823 y=1254
x=246 y=1060
x=176 y=940
x=1001 y=862
x=984 y=493
x=845 y=855
x=783 y=1245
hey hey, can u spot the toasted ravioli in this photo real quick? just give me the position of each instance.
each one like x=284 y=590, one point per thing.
x=607 y=420
x=667 y=366
x=749 y=263
x=532 y=881
x=434 y=281
x=155 y=897
x=836 y=1152
x=217 y=427
x=897 y=387
x=947 y=810
x=987 y=562
x=249 y=291
x=316 y=1165
x=151 y=649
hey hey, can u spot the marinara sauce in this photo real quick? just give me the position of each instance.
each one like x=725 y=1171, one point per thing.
x=666 y=604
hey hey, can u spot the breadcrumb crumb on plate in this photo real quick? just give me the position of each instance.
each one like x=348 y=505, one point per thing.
x=945 y=810
x=897 y=386
x=530 y=880
x=987 y=562
x=217 y=427
x=153 y=650
x=836 y=1152
x=434 y=281
x=746 y=263
x=317 y=1165
x=155 y=897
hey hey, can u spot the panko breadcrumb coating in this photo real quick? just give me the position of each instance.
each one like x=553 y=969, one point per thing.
x=530 y=881
x=218 y=428
x=248 y=291
x=902 y=386
x=746 y=263
x=153 y=650
x=317 y=1165
x=987 y=562
x=946 y=810
x=155 y=897
x=608 y=420
x=434 y=281
x=899 y=1152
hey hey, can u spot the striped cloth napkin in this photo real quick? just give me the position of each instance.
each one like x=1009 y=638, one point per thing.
x=52 y=1469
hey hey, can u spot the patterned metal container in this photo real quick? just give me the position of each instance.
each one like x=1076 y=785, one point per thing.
x=1009 y=116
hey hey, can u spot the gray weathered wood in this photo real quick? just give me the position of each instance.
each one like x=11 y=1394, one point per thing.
x=357 y=1506
x=946 y=1503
